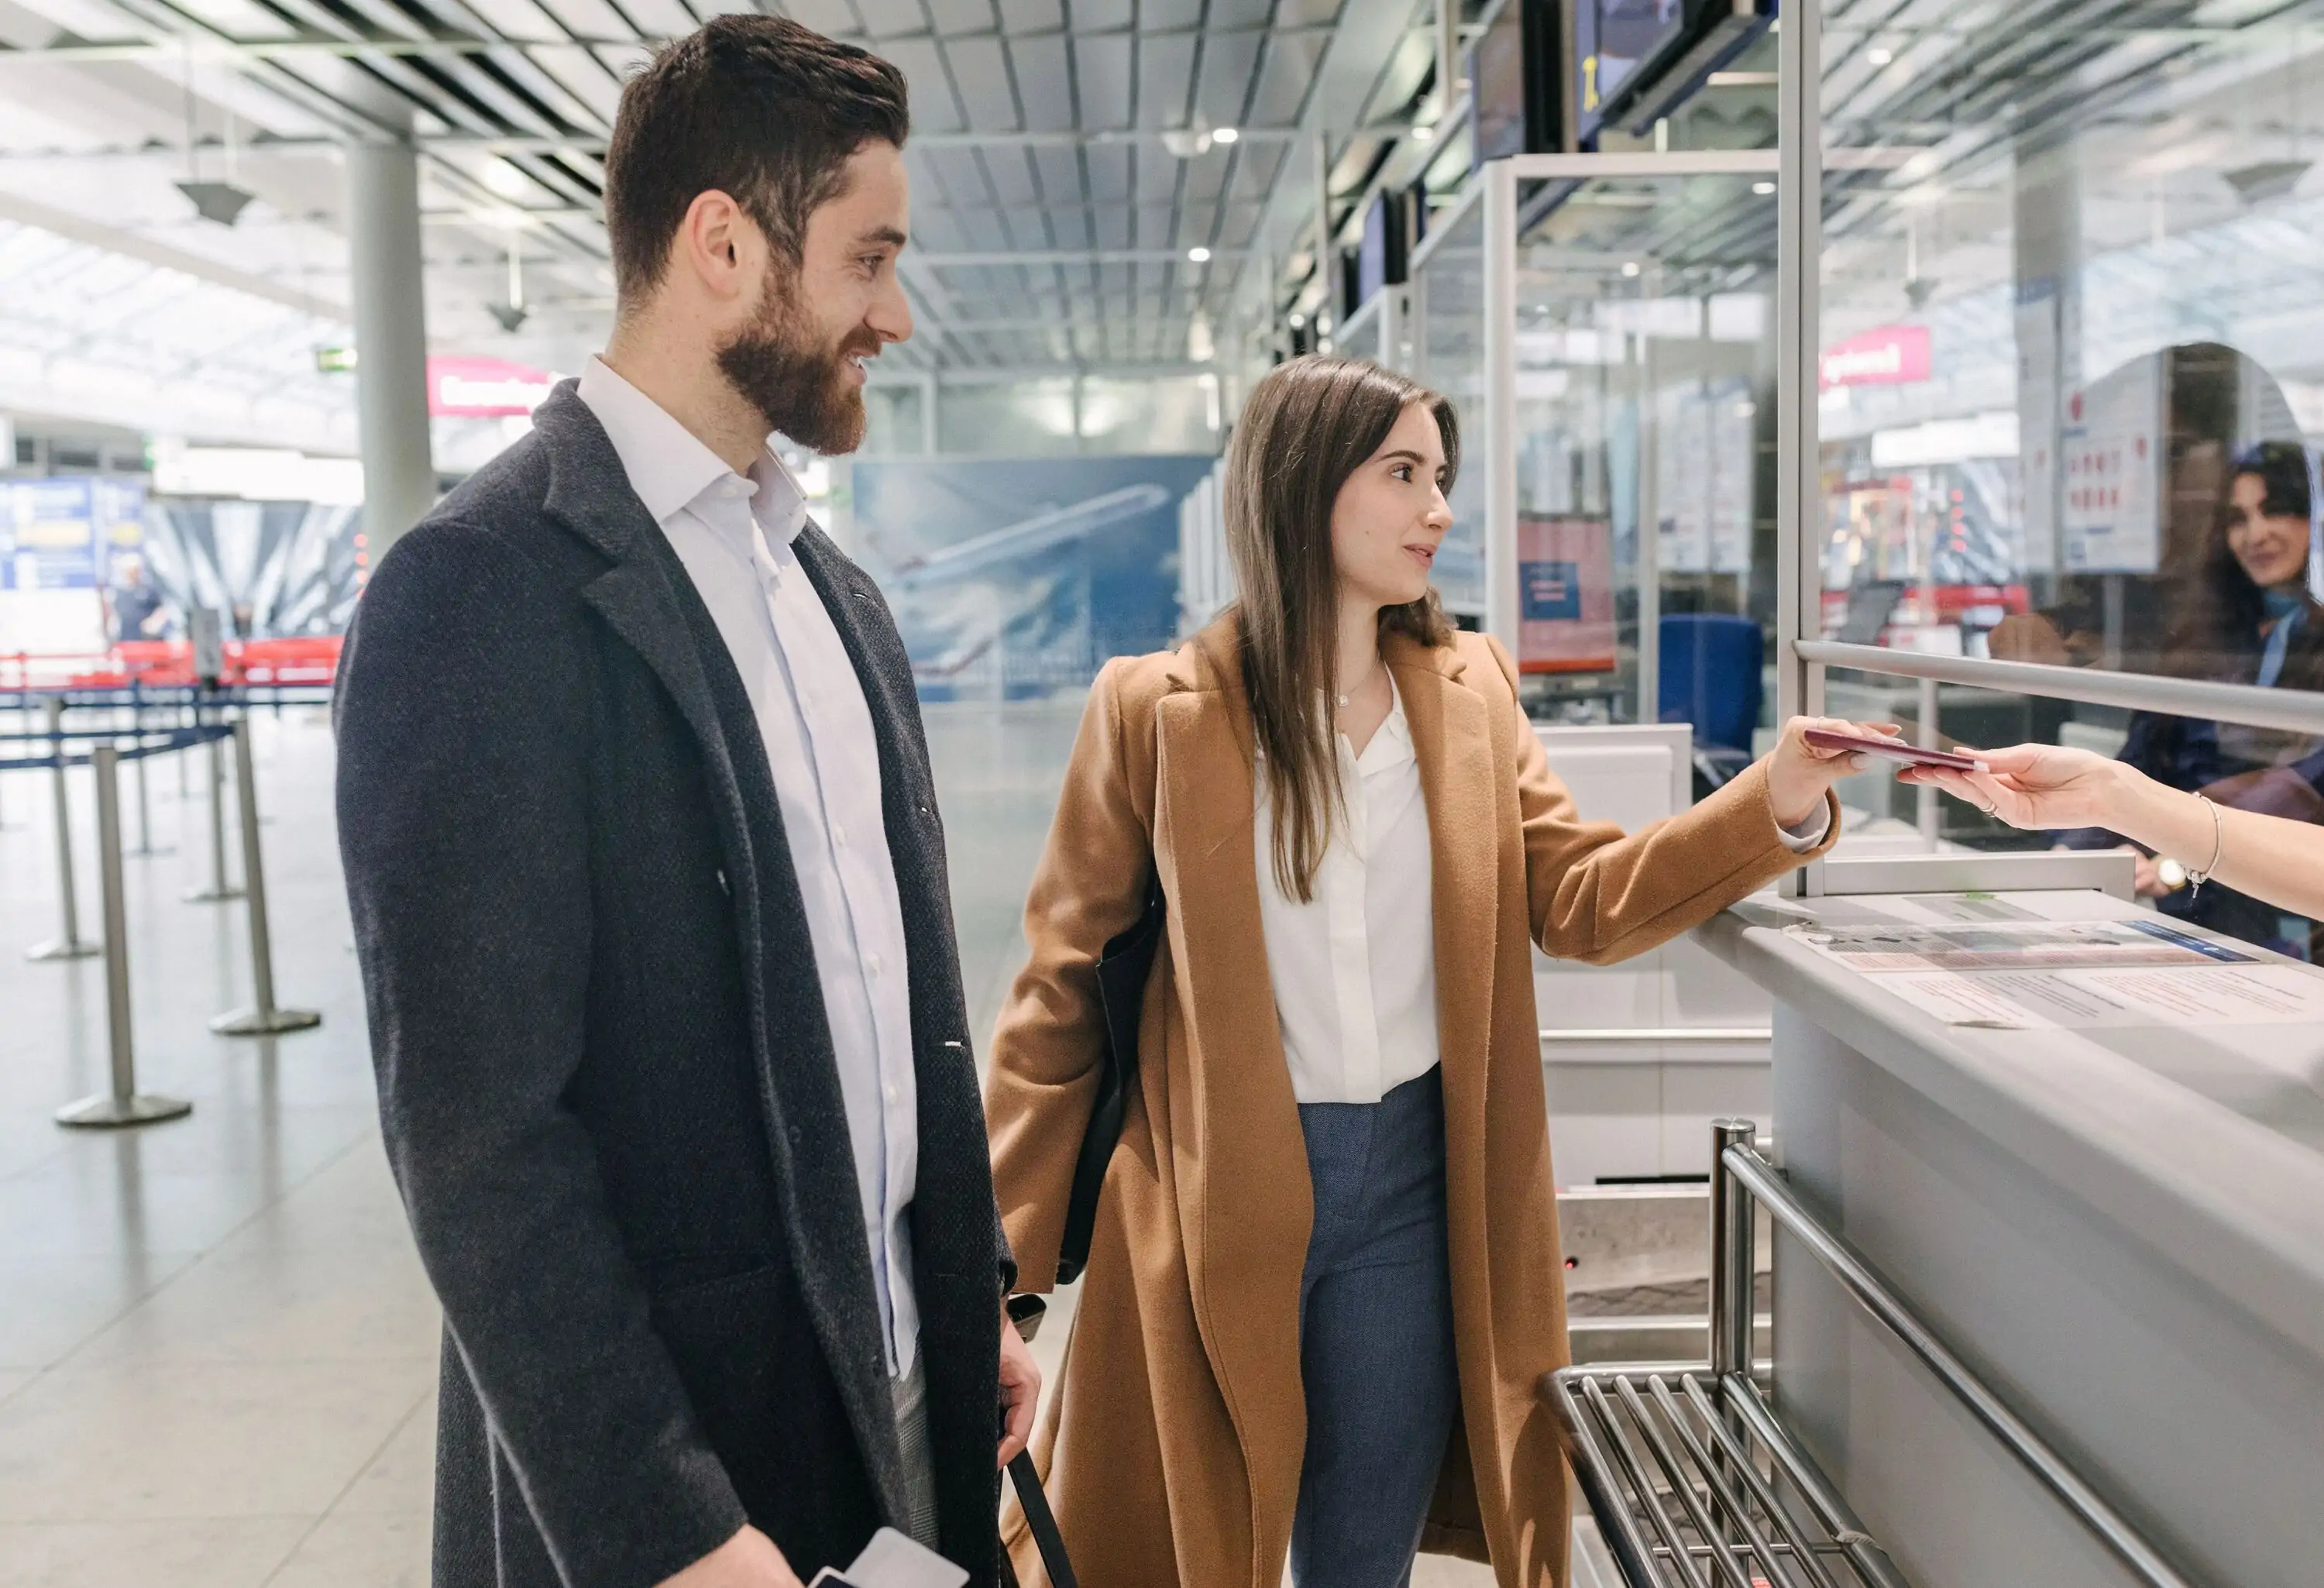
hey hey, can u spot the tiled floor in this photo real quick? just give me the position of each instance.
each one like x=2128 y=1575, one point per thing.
x=217 y=1349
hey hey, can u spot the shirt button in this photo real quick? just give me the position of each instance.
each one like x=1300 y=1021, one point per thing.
x=889 y=1089
x=871 y=962
x=839 y=835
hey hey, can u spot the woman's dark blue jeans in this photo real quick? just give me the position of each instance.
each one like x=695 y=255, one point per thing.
x=1375 y=1337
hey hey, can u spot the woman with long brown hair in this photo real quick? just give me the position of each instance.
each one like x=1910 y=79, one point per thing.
x=1325 y=1281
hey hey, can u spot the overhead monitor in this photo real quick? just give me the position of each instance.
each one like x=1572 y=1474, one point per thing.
x=1634 y=59
x=1380 y=258
x=1514 y=72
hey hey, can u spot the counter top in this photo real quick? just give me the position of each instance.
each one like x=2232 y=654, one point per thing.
x=2207 y=1140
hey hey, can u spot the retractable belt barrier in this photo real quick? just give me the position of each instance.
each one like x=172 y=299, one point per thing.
x=107 y=749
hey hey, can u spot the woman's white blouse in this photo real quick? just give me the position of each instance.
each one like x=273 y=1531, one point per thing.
x=1354 y=969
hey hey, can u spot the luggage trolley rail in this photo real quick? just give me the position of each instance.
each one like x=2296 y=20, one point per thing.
x=1694 y=1480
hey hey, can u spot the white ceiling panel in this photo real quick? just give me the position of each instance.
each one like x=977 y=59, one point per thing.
x=1157 y=174
x=1112 y=225
x=1155 y=223
x=1103 y=65
x=661 y=19
x=934 y=109
x=1099 y=16
x=952 y=17
x=1230 y=63
x=891 y=19
x=1045 y=86
x=1166 y=73
x=1011 y=173
x=836 y=18
x=1283 y=78
x=1306 y=13
x=590 y=19
x=1108 y=165
x=1166 y=17
x=1024 y=19
x=980 y=70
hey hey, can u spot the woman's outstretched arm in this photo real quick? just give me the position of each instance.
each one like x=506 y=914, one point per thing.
x=2044 y=786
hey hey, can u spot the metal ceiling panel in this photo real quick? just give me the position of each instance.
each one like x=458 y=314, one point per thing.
x=1285 y=76
x=835 y=18
x=951 y=18
x=1156 y=225
x=891 y=19
x=980 y=70
x=1026 y=227
x=934 y=109
x=1166 y=76
x=1045 y=81
x=1011 y=174
x=588 y=19
x=1110 y=175
x=1112 y=226
x=1203 y=179
x=1023 y=19
x=1103 y=65
x=584 y=76
x=1240 y=223
x=1157 y=175
x=1306 y=13
x=1059 y=173
x=1230 y=65
x=1097 y=17
x=661 y=19
x=1162 y=17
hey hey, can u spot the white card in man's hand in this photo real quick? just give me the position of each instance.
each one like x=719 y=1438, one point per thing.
x=893 y=1561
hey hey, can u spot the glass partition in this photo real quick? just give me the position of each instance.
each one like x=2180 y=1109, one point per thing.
x=2069 y=357
x=1448 y=289
x=1644 y=363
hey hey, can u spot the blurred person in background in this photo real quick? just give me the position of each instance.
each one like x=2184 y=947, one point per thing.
x=1324 y=1283
x=140 y=611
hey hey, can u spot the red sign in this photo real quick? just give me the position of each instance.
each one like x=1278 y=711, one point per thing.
x=484 y=388
x=1890 y=355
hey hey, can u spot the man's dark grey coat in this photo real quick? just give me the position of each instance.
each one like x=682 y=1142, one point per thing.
x=605 y=1071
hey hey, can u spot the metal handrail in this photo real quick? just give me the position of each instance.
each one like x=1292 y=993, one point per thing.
x=2295 y=710
x=1758 y=1178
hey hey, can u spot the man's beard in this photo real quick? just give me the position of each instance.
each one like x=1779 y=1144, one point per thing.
x=805 y=391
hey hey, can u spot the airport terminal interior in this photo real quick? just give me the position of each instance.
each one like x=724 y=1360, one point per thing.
x=1949 y=1213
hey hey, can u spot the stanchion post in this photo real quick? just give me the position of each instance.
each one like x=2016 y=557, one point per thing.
x=1731 y=1253
x=145 y=850
x=123 y=1104
x=219 y=891
x=262 y=1019
x=70 y=946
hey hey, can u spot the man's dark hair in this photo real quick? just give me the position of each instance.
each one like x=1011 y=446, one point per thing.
x=757 y=107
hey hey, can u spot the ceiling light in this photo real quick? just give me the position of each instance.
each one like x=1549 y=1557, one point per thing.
x=1763 y=189
x=1878 y=56
x=1224 y=134
x=504 y=179
x=1297 y=319
x=1629 y=267
x=1199 y=256
x=1422 y=133
x=1186 y=143
x=221 y=202
x=511 y=316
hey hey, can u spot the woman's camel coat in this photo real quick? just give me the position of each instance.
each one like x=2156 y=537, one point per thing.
x=1171 y=1446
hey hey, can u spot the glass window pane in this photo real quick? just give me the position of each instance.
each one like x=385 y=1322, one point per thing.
x=1448 y=297
x=1645 y=423
x=2071 y=355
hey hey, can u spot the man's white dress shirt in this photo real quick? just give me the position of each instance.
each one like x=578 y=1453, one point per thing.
x=735 y=537
x=1354 y=969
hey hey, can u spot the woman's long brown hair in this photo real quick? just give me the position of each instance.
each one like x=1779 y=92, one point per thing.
x=1306 y=428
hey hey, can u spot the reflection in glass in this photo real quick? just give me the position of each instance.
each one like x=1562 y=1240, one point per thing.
x=2070 y=356
x=1448 y=292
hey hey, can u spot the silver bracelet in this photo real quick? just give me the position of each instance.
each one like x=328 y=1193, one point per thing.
x=2218 y=847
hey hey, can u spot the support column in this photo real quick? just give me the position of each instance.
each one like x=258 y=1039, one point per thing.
x=2047 y=204
x=390 y=321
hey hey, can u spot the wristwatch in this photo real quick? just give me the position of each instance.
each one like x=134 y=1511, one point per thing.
x=2170 y=875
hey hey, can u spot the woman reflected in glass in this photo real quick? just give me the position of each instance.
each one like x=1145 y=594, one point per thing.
x=2245 y=616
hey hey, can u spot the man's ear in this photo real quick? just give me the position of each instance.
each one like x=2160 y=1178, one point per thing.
x=717 y=245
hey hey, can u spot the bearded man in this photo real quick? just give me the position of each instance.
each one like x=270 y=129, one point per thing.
x=649 y=887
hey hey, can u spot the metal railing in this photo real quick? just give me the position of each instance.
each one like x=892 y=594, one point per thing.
x=2295 y=710
x=1694 y=1482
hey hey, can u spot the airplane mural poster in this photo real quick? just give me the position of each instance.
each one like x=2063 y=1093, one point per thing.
x=1019 y=579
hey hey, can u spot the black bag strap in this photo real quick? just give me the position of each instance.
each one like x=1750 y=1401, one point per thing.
x=1044 y=1523
x=1122 y=973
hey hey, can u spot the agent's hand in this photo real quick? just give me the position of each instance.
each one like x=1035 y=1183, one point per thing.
x=1798 y=772
x=747 y=1560
x=2036 y=786
x=1021 y=1389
